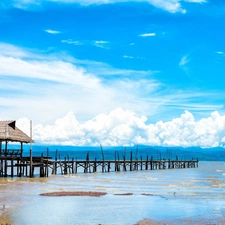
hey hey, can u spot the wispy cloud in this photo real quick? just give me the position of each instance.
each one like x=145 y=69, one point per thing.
x=148 y=35
x=132 y=57
x=220 y=53
x=72 y=42
x=52 y=31
x=48 y=81
x=173 y=6
x=184 y=60
x=196 y=1
x=101 y=44
x=128 y=57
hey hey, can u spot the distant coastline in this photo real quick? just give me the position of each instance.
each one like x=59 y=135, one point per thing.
x=203 y=154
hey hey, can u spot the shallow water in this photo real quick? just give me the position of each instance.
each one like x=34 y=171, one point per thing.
x=177 y=194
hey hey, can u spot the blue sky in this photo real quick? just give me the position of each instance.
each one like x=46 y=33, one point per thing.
x=153 y=58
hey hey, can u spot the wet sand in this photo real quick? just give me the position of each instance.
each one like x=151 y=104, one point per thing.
x=183 y=221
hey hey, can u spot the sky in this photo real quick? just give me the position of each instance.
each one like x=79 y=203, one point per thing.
x=114 y=72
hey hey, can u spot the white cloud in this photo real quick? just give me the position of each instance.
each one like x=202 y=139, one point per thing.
x=124 y=127
x=196 y=1
x=147 y=35
x=184 y=60
x=220 y=53
x=54 y=71
x=172 y=6
x=25 y=4
x=135 y=57
x=101 y=44
x=52 y=31
x=128 y=57
x=73 y=42
x=43 y=87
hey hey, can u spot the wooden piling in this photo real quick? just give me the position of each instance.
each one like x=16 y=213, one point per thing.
x=103 y=159
x=12 y=168
x=131 y=161
x=31 y=164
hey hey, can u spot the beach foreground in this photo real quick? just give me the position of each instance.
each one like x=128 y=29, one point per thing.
x=5 y=220
x=172 y=197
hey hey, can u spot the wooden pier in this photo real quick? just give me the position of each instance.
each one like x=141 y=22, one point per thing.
x=14 y=165
x=92 y=166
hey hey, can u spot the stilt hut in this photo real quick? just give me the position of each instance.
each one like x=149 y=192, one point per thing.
x=10 y=133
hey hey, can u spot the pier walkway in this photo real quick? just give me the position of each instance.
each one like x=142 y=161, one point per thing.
x=17 y=165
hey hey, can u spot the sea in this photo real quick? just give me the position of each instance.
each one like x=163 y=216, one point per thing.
x=194 y=193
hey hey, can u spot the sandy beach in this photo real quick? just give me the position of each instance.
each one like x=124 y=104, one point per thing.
x=5 y=218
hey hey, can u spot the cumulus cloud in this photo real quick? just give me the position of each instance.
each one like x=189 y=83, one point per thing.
x=147 y=35
x=52 y=31
x=124 y=127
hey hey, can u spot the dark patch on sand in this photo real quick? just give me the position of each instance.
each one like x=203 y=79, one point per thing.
x=74 y=193
x=147 y=194
x=124 y=194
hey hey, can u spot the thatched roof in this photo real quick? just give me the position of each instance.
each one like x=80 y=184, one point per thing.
x=9 y=132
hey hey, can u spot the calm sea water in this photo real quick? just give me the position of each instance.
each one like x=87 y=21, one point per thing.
x=179 y=193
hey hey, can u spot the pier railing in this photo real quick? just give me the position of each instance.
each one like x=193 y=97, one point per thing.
x=11 y=152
